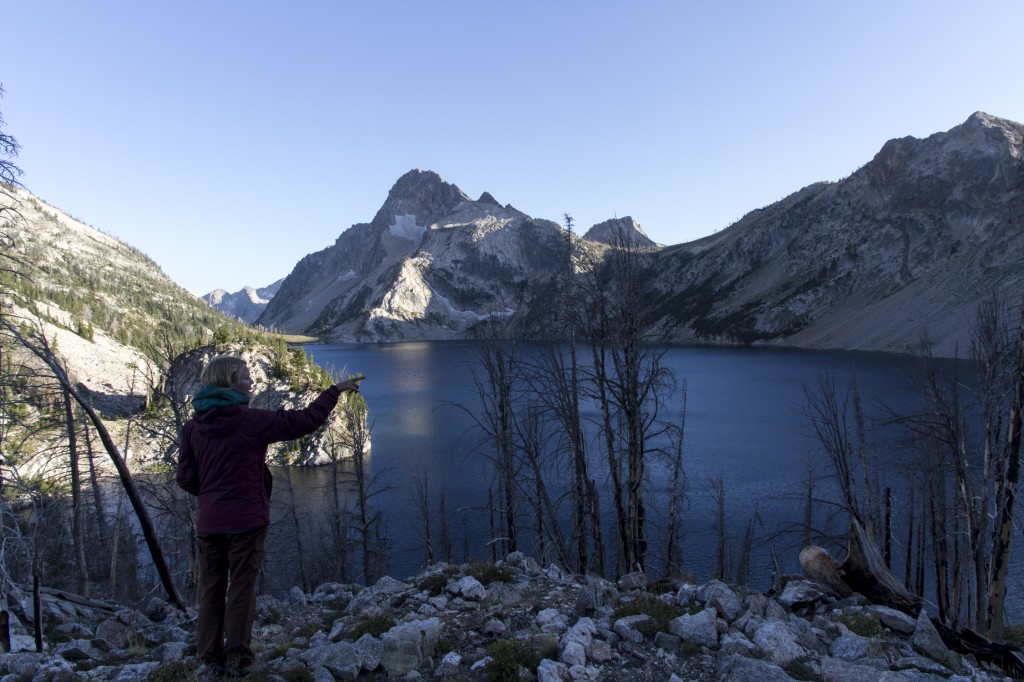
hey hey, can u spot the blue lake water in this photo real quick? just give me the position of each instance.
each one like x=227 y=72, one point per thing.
x=744 y=422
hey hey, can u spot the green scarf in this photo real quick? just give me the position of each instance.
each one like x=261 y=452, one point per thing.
x=209 y=397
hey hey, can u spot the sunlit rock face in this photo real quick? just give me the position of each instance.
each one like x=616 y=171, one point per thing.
x=432 y=264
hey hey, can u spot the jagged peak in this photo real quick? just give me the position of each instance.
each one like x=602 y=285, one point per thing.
x=486 y=198
x=422 y=194
x=620 y=232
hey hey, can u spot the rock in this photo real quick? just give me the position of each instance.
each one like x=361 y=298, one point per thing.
x=449 y=665
x=158 y=610
x=719 y=596
x=551 y=620
x=633 y=628
x=736 y=668
x=700 y=629
x=296 y=597
x=667 y=642
x=468 y=587
x=733 y=642
x=493 y=627
x=802 y=594
x=552 y=671
x=406 y=646
x=927 y=641
x=339 y=658
x=894 y=620
x=371 y=652
x=169 y=652
x=79 y=650
x=636 y=580
x=116 y=632
x=778 y=642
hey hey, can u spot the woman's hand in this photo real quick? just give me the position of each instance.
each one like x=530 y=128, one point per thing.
x=350 y=384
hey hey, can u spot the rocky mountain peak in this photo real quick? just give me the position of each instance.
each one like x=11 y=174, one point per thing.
x=620 y=232
x=421 y=194
x=486 y=198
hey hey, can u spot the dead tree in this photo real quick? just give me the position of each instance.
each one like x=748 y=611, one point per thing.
x=1006 y=496
x=37 y=344
x=77 y=526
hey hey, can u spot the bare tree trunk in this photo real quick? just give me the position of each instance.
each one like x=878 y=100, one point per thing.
x=595 y=526
x=77 y=529
x=37 y=602
x=673 y=550
x=97 y=494
x=1006 y=498
x=445 y=532
x=300 y=552
x=421 y=498
x=870 y=512
x=716 y=490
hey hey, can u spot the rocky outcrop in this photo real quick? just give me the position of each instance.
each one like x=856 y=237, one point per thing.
x=246 y=305
x=475 y=622
x=620 y=232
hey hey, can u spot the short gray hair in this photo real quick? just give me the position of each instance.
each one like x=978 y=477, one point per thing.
x=222 y=371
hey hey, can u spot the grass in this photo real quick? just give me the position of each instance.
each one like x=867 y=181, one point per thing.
x=178 y=671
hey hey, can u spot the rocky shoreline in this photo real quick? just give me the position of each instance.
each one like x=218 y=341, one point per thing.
x=507 y=621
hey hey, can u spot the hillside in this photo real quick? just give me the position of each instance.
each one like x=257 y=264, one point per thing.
x=109 y=308
x=903 y=248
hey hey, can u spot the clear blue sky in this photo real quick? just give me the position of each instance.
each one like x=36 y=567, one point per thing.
x=228 y=139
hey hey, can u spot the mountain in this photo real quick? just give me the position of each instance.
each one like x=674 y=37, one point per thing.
x=903 y=248
x=620 y=232
x=430 y=265
x=246 y=305
x=107 y=307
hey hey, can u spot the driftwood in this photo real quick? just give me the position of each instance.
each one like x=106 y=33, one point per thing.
x=865 y=571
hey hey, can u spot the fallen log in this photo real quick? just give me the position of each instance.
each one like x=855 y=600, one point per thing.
x=865 y=572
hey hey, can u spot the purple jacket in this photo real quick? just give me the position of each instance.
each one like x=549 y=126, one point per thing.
x=222 y=459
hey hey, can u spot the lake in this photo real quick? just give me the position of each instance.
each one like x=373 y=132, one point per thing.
x=745 y=422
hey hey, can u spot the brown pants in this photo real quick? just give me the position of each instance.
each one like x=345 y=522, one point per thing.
x=228 y=566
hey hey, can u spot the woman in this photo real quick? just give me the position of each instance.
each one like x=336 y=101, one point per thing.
x=222 y=460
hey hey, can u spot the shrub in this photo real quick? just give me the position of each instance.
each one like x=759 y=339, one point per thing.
x=374 y=625
x=489 y=573
x=862 y=623
x=1014 y=635
x=661 y=612
x=433 y=584
x=508 y=657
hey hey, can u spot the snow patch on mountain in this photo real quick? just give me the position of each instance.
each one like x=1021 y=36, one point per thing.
x=405 y=227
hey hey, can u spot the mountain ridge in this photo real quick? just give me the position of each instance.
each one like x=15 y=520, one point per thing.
x=848 y=264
